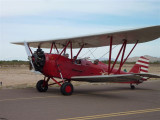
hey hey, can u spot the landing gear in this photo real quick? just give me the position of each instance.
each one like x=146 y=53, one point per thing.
x=41 y=87
x=132 y=86
x=67 y=88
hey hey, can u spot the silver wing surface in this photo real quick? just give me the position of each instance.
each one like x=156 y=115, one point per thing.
x=108 y=78
x=114 y=78
x=132 y=36
x=149 y=75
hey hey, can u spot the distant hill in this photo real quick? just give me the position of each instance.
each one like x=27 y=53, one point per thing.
x=151 y=59
x=106 y=59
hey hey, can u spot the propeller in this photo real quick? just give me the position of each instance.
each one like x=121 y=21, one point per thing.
x=31 y=66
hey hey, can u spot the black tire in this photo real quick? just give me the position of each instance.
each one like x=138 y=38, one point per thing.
x=132 y=87
x=40 y=86
x=67 y=88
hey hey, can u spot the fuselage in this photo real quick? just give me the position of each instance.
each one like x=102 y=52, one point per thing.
x=56 y=64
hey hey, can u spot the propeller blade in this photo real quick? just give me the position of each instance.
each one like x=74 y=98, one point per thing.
x=29 y=54
x=27 y=49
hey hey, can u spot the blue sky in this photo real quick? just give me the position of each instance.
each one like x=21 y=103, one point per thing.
x=26 y=20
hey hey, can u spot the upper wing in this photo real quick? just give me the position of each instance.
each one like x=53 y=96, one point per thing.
x=142 y=35
x=108 y=78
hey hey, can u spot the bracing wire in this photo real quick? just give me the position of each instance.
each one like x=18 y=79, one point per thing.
x=86 y=53
x=107 y=52
x=92 y=53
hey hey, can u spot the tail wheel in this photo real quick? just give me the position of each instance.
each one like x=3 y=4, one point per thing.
x=132 y=87
x=67 y=88
x=41 y=87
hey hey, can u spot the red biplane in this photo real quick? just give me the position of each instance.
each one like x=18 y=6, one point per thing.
x=58 y=65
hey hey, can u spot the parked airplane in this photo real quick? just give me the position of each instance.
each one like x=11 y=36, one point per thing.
x=58 y=65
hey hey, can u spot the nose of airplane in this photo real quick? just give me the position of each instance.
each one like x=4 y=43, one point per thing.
x=38 y=59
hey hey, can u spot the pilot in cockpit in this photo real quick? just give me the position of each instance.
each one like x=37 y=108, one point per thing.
x=77 y=61
x=66 y=55
x=96 y=61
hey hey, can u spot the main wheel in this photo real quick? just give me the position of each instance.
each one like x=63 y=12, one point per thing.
x=40 y=87
x=67 y=88
x=132 y=87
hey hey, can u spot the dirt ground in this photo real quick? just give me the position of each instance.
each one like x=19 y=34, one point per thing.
x=21 y=76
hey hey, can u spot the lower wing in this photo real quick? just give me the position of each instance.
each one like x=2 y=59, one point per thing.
x=114 y=78
x=149 y=75
x=108 y=78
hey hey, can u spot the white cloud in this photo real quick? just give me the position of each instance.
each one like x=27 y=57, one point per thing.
x=10 y=32
x=80 y=7
x=20 y=32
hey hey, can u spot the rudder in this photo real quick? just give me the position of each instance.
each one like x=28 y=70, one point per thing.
x=141 y=66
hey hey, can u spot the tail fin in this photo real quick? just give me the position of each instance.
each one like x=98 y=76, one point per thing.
x=141 y=65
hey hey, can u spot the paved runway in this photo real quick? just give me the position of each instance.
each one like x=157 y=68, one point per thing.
x=89 y=102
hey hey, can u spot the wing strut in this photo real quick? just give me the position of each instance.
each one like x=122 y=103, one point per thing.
x=130 y=52
x=122 y=50
x=58 y=66
x=64 y=49
x=53 y=43
x=56 y=48
x=110 y=53
x=117 y=58
x=78 y=53
x=71 y=50
x=51 y=48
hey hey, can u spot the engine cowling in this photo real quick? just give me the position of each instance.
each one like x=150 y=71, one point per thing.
x=38 y=59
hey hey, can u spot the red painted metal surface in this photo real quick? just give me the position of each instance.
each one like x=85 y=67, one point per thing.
x=121 y=63
x=56 y=48
x=110 y=54
x=78 y=52
x=71 y=50
x=68 y=89
x=130 y=52
x=51 y=48
x=64 y=48
x=116 y=58
x=59 y=66
x=45 y=81
x=69 y=69
x=56 y=82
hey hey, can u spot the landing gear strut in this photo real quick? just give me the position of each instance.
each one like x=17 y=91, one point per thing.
x=67 y=88
x=132 y=86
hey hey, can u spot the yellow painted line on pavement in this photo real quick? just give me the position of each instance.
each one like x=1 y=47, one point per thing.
x=113 y=114
x=29 y=98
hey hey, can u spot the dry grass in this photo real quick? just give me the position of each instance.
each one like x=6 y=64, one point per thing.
x=21 y=76
x=14 y=76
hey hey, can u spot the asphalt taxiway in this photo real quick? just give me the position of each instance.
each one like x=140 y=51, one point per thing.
x=88 y=102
